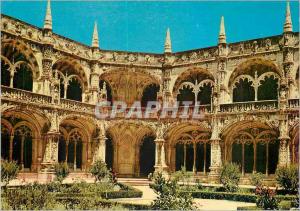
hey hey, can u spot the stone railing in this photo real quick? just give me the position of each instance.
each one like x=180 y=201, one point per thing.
x=27 y=97
x=249 y=106
x=77 y=106
x=294 y=103
x=23 y=96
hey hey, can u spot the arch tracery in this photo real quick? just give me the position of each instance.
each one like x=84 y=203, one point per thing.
x=255 y=79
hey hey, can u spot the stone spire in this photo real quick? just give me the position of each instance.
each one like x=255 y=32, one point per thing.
x=95 y=40
x=168 y=45
x=48 y=17
x=222 y=35
x=288 y=27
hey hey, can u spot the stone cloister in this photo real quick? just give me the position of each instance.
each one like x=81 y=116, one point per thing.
x=248 y=93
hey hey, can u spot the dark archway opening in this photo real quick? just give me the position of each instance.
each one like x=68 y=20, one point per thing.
x=109 y=153
x=27 y=150
x=179 y=161
x=62 y=87
x=5 y=74
x=61 y=149
x=244 y=91
x=4 y=143
x=149 y=94
x=74 y=91
x=23 y=78
x=75 y=155
x=268 y=90
x=204 y=95
x=202 y=157
x=185 y=94
x=147 y=156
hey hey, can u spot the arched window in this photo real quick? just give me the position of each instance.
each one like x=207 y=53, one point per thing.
x=204 y=95
x=74 y=90
x=22 y=146
x=268 y=90
x=149 y=94
x=75 y=150
x=16 y=70
x=23 y=78
x=186 y=94
x=109 y=152
x=5 y=74
x=5 y=136
x=243 y=91
x=147 y=155
x=255 y=150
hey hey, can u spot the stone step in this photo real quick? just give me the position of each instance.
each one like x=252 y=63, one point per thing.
x=134 y=181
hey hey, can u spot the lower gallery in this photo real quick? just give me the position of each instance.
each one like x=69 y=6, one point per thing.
x=248 y=93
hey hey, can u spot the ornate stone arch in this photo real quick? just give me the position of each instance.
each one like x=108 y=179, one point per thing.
x=70 y=66
x=8 y=125
x=20 y=47
x=245 y=68
x=190 y=72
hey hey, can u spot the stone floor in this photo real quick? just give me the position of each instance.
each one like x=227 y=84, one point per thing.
x=202 y=204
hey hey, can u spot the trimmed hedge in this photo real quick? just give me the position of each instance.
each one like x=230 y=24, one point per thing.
x=108 y=203
x=125 y=192
x=248 y=208
x=244 y=197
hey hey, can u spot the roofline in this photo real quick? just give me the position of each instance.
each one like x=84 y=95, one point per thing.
x=138 y=52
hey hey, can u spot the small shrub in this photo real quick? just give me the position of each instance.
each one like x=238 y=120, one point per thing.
x=287 y=177
x=169 y=197
x=61 y=171
x=230 y=177
x=9 y=171
x=55 y=187
x=100 y=171
x=30 y=197
x=257 y=179
x=184 y=176
x=285 y=205
x=266 y=198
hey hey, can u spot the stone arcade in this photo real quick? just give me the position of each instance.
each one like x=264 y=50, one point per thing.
x=248 y=91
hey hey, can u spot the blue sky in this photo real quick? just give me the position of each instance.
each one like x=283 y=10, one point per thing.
x=141 y=26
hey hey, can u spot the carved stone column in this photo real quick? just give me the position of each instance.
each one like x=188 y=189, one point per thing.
x=215 y=159
x=94 y=83
x=51 y=151
x=160 y=158
x=47 y=68
x=283 y=156
x=11 y=145
x=166 y=78
x=100 y=149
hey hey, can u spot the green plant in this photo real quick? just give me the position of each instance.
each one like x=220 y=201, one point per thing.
x=230 y=177
x=100 y=171
x=29 y=197
x=288 y=178
x=169 y=197
x=9 y=171
x=61 y=171
x=266 y=198
x=285 y=205
x=256 y=179
x=184 y=176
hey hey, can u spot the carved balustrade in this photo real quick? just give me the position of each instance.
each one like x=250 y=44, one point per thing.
x=27 y=97
x=266 y=105
x=294 y=103
x=13 y=94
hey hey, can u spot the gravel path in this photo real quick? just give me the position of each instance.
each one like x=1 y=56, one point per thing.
x=202 y=204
